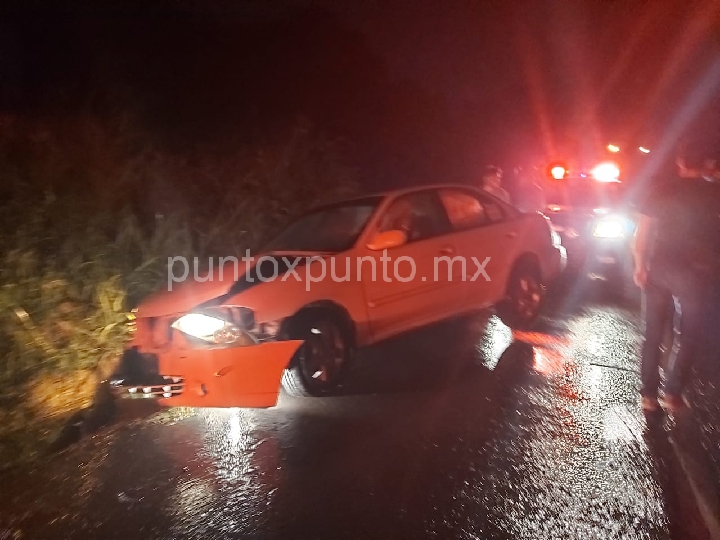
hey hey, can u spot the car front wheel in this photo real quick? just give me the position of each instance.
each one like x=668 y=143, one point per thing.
x=319 y=364
x=525 y=293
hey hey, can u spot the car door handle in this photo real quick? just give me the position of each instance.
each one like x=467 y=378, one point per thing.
x=512 y=234
x=447 y=250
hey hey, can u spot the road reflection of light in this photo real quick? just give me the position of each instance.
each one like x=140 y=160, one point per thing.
x=498 y=337
x=615 y=428
x=595 y=345
x=230 y=442
x=193 y=496
x=594 y=375
x=548 y=361
x=540 y=361
x=541 y=339
x=226 y=460
x=582 y=468
x=235 y=430
x=548 y=351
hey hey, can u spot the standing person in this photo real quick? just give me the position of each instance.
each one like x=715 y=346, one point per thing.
x=492 y=183
x=528 y=196
x=677 y=259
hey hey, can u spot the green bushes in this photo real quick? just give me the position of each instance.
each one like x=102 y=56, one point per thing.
x=90 y=213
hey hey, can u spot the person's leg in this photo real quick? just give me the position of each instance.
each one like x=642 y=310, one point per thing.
x=655 y=316
x=670 y=339
x=693 y=311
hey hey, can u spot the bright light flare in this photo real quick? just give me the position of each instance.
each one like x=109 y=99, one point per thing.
x=613 y=148
x=644 y=150
x=606 y=172
x=199 y=325
x=558 y=172
x=610 y=228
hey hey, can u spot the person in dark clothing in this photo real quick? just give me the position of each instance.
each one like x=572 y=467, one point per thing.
x=677 y=259
x=492 y=183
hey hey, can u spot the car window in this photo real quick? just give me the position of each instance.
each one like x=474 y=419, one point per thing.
x=464 y=210
x=493 y=209
x=332 y=228
x=418 y=215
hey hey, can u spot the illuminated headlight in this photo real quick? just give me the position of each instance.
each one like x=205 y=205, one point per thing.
x=611 y=228
x=212 y=329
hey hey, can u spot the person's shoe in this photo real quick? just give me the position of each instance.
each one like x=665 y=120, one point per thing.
x=673 y=402
x=650 y=404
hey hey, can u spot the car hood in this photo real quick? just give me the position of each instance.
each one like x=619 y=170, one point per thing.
x=190 y=293
x=182 y=296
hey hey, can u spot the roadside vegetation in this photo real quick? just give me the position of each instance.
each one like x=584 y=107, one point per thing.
x=90 y=211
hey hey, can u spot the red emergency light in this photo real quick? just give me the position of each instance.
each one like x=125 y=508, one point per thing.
x=558 y=172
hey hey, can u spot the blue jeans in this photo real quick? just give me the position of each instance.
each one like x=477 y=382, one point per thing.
x=672 y=290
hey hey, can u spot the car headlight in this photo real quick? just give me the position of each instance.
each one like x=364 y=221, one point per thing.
x=611 y=228
x=212 y=329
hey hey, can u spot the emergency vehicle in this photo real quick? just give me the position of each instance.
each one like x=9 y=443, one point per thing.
x=591 y=212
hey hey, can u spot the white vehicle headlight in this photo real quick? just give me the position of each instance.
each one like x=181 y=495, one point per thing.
x=611 y=228
x=212 y=329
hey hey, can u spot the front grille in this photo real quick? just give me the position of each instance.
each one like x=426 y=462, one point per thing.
x=170 y=387
x=138 y=377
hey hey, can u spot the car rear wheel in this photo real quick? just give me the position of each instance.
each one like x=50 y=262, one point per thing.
x=525 y=294
x=319 y=364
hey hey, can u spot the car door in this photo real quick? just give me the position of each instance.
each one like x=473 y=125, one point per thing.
x=405 y=291
x=487 y=237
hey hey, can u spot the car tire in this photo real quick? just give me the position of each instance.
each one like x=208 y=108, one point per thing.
x=318 y=367
x=525 y=295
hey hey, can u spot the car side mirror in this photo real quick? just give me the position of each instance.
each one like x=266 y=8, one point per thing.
x=387 y=240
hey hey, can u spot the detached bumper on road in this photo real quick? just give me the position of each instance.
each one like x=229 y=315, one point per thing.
x=223 y=377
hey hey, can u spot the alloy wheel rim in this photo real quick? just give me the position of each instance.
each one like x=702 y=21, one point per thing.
x=324 y=355
x=528 y=294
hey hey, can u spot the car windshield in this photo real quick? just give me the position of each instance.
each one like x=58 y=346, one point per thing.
x=584 y=194
x=329 y=229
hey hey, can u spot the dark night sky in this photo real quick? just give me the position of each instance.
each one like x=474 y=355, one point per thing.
x=615 y=69
x=456 y=82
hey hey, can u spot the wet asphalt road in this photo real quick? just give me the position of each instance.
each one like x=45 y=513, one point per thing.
x=464 y=430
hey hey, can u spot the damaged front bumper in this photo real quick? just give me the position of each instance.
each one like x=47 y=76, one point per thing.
x=246 y=376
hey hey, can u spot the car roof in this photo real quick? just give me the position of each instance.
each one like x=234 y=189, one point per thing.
x=405 y=191
x=381 y=196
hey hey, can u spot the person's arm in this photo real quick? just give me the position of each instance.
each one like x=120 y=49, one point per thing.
x=642 y=245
